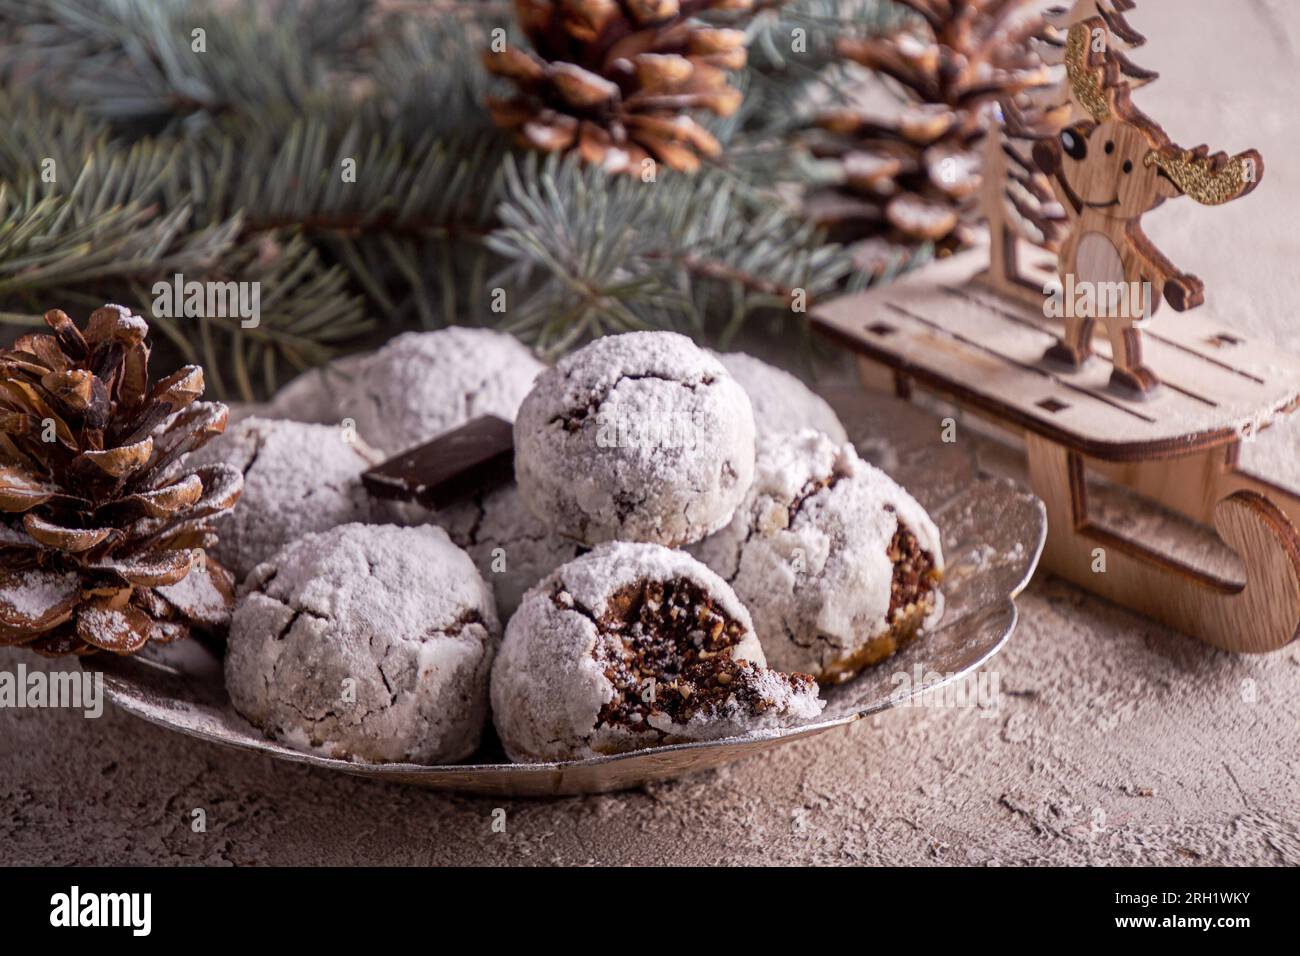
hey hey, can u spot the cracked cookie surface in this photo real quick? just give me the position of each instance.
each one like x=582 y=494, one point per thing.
x=636 y=437
x=366 y=642
x=298 y=478
x=836 y=562
x=512 y=548
x=633 y=646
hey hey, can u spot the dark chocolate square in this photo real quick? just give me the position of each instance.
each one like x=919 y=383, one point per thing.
x=477 y=456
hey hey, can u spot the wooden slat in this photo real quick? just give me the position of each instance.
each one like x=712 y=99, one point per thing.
x=944 y=364
x=964 y=341
x=1023 y=340
x=1180 y=370
x=1084 y=394
x=1201 y=333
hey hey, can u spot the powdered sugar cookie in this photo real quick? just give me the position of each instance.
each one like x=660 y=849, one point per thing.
x=298 y=478
x=836 y=562
x=511 y=547
x=632 y=646
x=423 y=383
x=366 y=642
x=318 y=394
x=781 y=402
x=637 y=437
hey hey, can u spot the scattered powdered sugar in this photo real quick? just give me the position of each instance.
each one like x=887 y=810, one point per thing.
x=137 y=324
x=793 y=706
x=400 y=615
x=298 y=478
x=15 y=537
x=198 y=596
x=781 y=402
x=920 y=216
x=33 y=594
x=808 y=550
x=221 y=482
x=110 y=626
x=423 y=383
x=636 y=437
x=129 y=319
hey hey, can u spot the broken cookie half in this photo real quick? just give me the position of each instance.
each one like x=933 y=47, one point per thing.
x=633 y=646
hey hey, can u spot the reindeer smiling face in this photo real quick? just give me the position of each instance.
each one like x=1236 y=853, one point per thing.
x=1107 y=168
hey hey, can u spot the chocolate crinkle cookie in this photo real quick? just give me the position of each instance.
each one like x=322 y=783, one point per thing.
x=781 y=402
x=633 y=646
x=367 y=642
x=637 y=437
x=298 y=478
x=838 y=565
x=512 y=548
x=421 y=384
x=318 y=394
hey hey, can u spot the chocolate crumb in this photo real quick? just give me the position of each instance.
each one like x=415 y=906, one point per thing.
x=914 y=577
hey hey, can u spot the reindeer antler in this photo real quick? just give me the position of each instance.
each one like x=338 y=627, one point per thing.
x=1210 y=180
x=1086 y=70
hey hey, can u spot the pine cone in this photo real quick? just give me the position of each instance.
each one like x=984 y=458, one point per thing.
x=102 y=528
x=914 y=177
x=614 y=79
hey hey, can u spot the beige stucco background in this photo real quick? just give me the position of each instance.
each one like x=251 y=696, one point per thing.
x=1116 y=741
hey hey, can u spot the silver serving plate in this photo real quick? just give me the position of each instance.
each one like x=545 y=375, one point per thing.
x=993 y=533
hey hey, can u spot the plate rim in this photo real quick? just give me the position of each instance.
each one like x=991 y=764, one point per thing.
x=376 y=770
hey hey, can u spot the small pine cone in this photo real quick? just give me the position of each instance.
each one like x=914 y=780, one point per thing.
x=102 y=528
x=614 y=80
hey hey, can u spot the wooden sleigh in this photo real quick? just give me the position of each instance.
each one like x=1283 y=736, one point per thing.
x=943 y=330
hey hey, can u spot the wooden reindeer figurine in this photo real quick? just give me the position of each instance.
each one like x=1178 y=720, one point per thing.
x=1108 y=171
x=1017 y=202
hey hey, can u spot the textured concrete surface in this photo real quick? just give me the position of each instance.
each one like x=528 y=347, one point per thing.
x=1115 y=741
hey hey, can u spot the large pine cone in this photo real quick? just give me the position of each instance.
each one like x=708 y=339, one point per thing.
x=614 y=79
x=913 y=177
x=102 y=528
